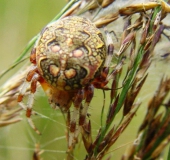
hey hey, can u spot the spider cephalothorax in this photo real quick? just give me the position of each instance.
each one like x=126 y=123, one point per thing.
x=69 y=59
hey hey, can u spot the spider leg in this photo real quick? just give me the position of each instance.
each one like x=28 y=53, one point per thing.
x=101 y=81
x=109 y=50
x=25 y=86
x=81 y=111
x=105 y=72
x=74 y=117
x=31 y=101
x=31 y=80
x=89 y=92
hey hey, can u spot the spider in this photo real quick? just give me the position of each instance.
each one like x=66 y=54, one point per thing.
x=70 y=59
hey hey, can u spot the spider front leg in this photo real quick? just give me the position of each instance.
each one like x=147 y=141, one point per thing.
x=31 y=80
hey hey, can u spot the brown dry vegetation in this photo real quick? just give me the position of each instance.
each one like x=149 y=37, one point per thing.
x=130 y=121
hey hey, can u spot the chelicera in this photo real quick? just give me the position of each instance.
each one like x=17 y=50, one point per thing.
x=69 y=59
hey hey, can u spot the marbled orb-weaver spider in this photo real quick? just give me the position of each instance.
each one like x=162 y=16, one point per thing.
x=69 y=59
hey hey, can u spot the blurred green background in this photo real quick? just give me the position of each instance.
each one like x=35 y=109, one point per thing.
x=19 y=22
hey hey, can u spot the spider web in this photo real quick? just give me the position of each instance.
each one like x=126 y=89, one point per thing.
x=20 y=141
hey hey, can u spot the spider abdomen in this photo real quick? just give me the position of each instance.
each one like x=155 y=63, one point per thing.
x=70 y=52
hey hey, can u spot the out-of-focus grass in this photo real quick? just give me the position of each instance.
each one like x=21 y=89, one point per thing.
x=19 y=22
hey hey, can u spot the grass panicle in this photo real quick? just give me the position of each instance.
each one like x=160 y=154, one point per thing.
x=143 y=29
